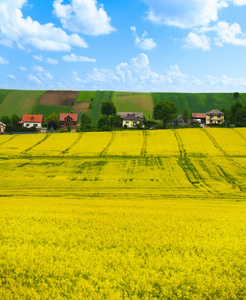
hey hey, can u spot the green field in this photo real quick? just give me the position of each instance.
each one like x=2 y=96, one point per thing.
x=123 y=215
x=99 y=98
x=19 y=102
x=85 y=96
x=47 y=110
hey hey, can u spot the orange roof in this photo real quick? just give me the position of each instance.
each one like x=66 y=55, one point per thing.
x=73 y=116
x=198 y=116
x=32 y=118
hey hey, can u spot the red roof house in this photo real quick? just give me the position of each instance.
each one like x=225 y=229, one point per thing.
x=32 y=121
x=69 y=119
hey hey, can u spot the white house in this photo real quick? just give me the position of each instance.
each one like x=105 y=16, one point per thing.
x=32 y=121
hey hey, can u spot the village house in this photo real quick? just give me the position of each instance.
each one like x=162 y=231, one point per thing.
x=198 y=118
x=131 y=119
x=2 y=127
x=68 y=119
x=214 y=116
x=180 y=121
x=32 y=121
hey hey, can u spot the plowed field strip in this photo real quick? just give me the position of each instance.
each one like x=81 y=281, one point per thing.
x=73 y=144
x=30 y=148
x=105 y=150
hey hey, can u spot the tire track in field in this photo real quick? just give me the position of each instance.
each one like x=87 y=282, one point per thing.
x=105 y=150
x=240 y=134
x=72 y=145
x=35 y=145
x=189 y=169
x=10 y=139
x=145 y=142
x=220 y=170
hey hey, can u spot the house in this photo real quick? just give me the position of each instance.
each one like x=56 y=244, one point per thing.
x=32 y=121
x=130 y=120
x=180 y=121
x=2 y=127
x=198 y=118
x=69 y=119
x=215 y=116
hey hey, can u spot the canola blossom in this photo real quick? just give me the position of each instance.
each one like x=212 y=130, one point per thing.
x=123 y=215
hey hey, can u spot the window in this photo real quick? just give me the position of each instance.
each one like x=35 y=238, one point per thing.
x=219 y=116
x=35 y=125
x=27 y=125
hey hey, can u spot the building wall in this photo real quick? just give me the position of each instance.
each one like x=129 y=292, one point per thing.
x=130 y=123
x=2 y=129
x=215 y=119
x=31 y=124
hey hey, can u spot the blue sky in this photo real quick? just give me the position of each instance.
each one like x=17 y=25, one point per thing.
x=130 y=45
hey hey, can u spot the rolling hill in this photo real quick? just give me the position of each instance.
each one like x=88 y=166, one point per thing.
x=48 y=102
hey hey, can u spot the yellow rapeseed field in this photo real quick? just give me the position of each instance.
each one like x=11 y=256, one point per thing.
x=123 y=215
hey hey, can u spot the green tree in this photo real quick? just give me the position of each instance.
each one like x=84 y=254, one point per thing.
x=85 y=122
x=164 y=111
x=236 y=95
x=104 y=121
x=6 y=120
x=15 y=120
x=53 y=117
x=108 y=108
x=186 y=115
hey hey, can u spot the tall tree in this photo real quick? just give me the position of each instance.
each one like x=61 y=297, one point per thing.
x=85 y=122
x=164 y=111
x=15 y=120
x=108 y=108
x=186 y=115
x=236 y=95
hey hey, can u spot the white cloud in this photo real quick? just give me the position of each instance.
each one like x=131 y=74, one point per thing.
x=75 y=58
x=76 y=78
x=33 y=78
x=46 y=59
x=83 y=16
x=184 y=14
x=3 y=61
x=14 y=28
x=23 y=68
x=42 y=73
x=143 y=42
x=11 y=76
x=196 y=41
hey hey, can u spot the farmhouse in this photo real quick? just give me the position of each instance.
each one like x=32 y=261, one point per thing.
x=198 y=118
x=32 y=121
x=2 y=127
x=215 y=116
x=131 y=119
x=69 y=119
x=180 y=120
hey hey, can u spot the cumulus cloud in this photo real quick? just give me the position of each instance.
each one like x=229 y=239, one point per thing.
x=76 y=77
x=83 y=16
x=14 y=28
x=75 y=58
x=33 y=78
x=183 y=14
x=42 y=73
x=23 y=68
x=46 y=59
x=143 y=42
x=3 y=61
x=196 y=41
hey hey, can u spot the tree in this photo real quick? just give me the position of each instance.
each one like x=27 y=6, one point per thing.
x=52 y=124
x=186 y=115
x=85 y=122
x=15 y=120
x=53 y=117
x=108 y=108
x=6 y=120
x=104 y=121
x=236 y=95
x=164 y=111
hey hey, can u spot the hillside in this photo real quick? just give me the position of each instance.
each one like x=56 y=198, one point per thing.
x=46 y=103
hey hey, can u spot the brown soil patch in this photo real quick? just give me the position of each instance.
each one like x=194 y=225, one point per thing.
x=81 y=107
x=59 y=98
